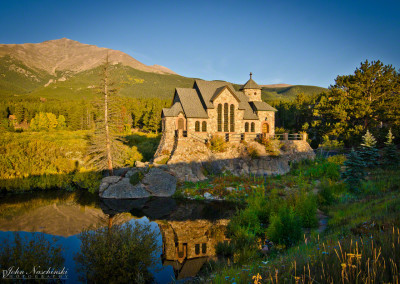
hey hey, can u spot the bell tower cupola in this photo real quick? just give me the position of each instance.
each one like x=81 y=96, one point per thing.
x=252 y=90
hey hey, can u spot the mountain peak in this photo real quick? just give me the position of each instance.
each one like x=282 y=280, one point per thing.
x=69 y=55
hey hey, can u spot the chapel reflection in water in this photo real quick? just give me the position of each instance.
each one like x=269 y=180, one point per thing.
x=189 y=230
x=187 y=245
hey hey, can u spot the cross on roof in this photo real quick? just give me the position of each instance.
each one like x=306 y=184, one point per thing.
x=251 y=74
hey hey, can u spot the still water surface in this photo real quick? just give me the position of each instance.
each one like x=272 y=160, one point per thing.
x=187 y=230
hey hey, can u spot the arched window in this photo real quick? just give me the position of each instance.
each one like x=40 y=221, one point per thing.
x=226 y=117
x=219 y=118
x=204 y=126
x=197 y=126
x=232 y=118
x=253 y=127
x=246 y=127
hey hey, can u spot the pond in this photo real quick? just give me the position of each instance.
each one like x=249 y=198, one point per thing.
x=187 y=231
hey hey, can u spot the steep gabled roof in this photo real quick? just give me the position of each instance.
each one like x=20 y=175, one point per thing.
x=195 y=102
x=244 y=104
x=257 y=106
x=219 y=90
x=173 y=111
x=207 y=90
x=191 y=103
x=250 y=84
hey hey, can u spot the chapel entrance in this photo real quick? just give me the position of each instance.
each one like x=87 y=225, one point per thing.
x=265 y=129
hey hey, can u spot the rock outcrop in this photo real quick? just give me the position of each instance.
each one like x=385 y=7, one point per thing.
x=159 y=183
x=192 y=160
x=155 y=182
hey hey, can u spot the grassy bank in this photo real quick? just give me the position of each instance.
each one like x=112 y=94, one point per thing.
x=59 y=160
x=360 y=241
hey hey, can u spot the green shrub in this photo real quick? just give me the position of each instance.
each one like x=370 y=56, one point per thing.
x=163 y=161
x=253 y=152
x=285 y=227
x=88 y=180
x=217 y=144
x=272 y=146
x=136 y=178
x=306 y=208
x=133 y=244
x=319 y=168
x=326 y=193
x=225 y=249
x=337 y=159
x=331 y=144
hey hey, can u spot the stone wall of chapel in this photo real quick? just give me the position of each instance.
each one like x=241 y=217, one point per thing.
x=266 y=116
x=225 y=97
x=253 y=94
x=168 y=136
x=191 y=127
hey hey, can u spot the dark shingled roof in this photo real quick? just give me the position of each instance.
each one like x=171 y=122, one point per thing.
x=262 y=106
x=219 y=90
x=207 y=90
x=172 y=111
x=195 y=102
x=191 y=103
x=250 y=84
x=244 y=104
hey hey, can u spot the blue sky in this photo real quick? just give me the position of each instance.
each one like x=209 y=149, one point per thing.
x=294 y=42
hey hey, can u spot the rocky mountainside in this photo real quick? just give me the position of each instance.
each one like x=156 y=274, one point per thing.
x=69 y=55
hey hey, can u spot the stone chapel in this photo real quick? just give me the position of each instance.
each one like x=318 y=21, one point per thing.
x=215 y=108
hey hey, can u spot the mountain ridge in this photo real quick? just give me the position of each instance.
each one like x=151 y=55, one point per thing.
x=67 y=69
x=71 y=56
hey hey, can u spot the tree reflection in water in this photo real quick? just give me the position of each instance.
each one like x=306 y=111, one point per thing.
x=33 y=250
x=117 y=254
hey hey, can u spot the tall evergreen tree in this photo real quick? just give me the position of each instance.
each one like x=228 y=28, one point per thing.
x=360 y=101
x=105 y=147
x=391 y=157
x=369 y=153
x=354 y=172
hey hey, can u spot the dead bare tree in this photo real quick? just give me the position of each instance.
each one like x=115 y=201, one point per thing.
x=104 y=144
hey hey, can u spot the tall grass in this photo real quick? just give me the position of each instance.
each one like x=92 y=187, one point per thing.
x=368 y=259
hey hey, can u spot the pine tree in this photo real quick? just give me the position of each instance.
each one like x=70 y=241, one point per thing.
x=354 y=172
x=20 y=113
x=369 y=153
x=61 y=122
x=391 y=157
x=105 y=146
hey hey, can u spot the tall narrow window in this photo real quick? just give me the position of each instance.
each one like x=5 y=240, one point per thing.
x=181 y=123
x=197 y=126
x=219 y=118
x=246 y=127
x=197 y=249
x=226 y=118
x=253 y=127
x=204 y=126
x=203 y=248
x=232 y=118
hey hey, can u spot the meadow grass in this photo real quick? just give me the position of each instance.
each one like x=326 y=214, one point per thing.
x=361 y=242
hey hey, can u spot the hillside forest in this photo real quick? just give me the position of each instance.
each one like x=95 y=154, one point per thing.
x=46 y=130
